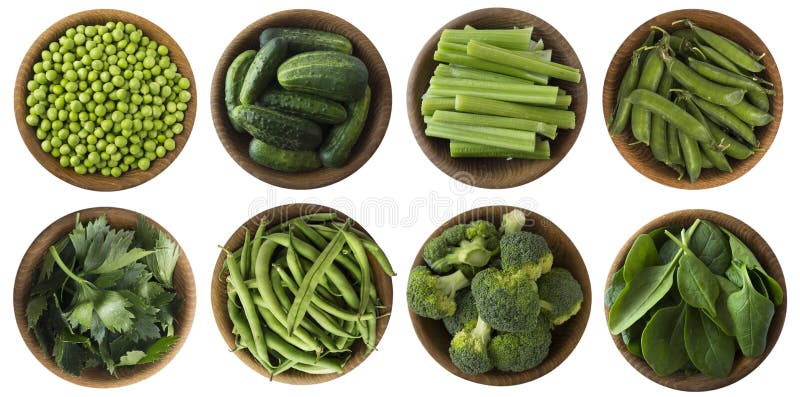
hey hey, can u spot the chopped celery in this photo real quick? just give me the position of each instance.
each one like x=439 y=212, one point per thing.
x=545 y=55
x=432 y=104
x=469 y=104
x=450 y=117
x=512 y=39
x=464 y=72
x=452 y=47
x=466 y=60
x=503 y=56
x=459 y=149
x=526 y=88
x=536 y=45
x=491 y=136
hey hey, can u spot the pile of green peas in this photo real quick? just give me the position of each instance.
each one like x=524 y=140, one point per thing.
x=107 y=99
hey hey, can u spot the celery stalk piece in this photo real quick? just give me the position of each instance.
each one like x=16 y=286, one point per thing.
x=432 y=104
x=493 y=94
x=562 y=118
x=544 y=55
x=464 y=72
x=450 y=117
x=500 y=137
x=502 y=56
x=465 y=60
x=452 y=47
x=512 y=39
x=459 y=149
x=511 y=88
x=536 y=45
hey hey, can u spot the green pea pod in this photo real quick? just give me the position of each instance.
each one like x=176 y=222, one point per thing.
x=716 y=58
x=671 y=112
x=699 y=85
x=690 y=148
x=630 y=80
x=750 y=114
x=652 y=71
x=723 y=76
x=731 y=50
x=759 y=99
x=658 y=132
x=673 y=145
x=715 y=157
x=723 y=117
x=730 y=146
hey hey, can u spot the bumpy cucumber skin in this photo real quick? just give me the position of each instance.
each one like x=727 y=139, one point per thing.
x=262 y=71
x=278 y=129
x=281 y=159
x=234 y=78
x=307 y=106
x=336 y=150
x=329 y=74
x=306 y=40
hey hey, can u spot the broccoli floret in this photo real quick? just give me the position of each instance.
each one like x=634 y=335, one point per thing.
x=435 y=249
x=512 y=222
x=561 y=293
x=486 y=231
x=469 y=350
x=521 y=351
x=507 y=299
x=526 y=251
x=433 y=296
x=472 y=253
x=454 y=235
x=465 y=312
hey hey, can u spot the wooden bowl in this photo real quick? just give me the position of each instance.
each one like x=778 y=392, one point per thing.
x=219 y=295
x=98 y=377
x=436 y=339
x=741 y=365
x=97 y=181
x=380 y=107
x=487 y=172
x=639 y=156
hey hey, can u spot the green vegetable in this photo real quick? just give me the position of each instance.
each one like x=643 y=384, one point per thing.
x=433 y=296
x=752 y=315
x=547 y=130
x=466 y=311
x=663 y=346
x=309 y=107
x=513 y=39
x=234 y=78
x=468 y=150
x=517 y=352
x=103 y=297
x=335 y=151
x=525 y=251
x=711 y=246
x=517 y=140
x=278 y=129
x=507 y=299
x=512 y=92
x=561 y=118
x=502 y=56
x=640 y=295
x=697 y=284
x=561 y=295
x=328 y=74
x=281 y=159
x=105 y=99
x=262 y=70
x=306 y=40
x=710 y=350
x=469 y=348
x=643 y=253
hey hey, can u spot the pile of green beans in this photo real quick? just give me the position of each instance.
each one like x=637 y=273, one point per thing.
x=695 y=98
x=302 y=292
x=106 y=99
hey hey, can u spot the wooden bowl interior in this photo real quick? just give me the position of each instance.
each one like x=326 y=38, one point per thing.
x=118 y=218
x=639 y=156
x=380 y=109
x=485 y=172
x=742 y=365
x=219 y=295
x=436 y=339
x=97 y=181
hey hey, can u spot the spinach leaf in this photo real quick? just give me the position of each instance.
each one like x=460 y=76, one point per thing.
x=643 y=253
x=709 y=244
x=709 y=349
x=617 y=285
x=723 y=316
x=632 y=336
x=642 y=293
x=741 y=253
x=697 y=284
x=663 y=345
x=668 y=251
x=752 y=315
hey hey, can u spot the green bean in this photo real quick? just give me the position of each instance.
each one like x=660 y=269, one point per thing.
x=670 y=112
x=750 y=114
x=730 y=146
x=292 y=353
x=673 y=145
x=622 y=110
x=723 y=117
x=324 y=305
x=658 y=133
x=342 y=342
x=313 y=369
x=640 y=117
x=310 y=234
x=263 y=284
x=372 y=331
x=293 y=261
x=759 y=99
x=316 y=217
x=699 y=85
x=248 y=306
x=254 y=252
x=284 y=365
x=379 y=256
x=733 y=51
x=240 y=326
x=718 y=59
x=714 y=156
x=725 y=77
x=357 y=248
x=280 y=329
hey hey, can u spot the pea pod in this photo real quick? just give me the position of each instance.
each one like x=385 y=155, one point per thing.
x=673 y=145
x=759 y=99
x=671 y=112
x=651 y=75
x=724 y=77
x=722 y=116
x=715 y=157
x=630 y=80
x=658 y=133
x=736 y=53
x=716 y=58
x=750 y=114
x=730 y=146
x=699 y=85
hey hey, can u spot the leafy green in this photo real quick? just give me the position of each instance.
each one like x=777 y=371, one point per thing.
x=663 y=347
x=97 y=301
x=752 y=315
x=166 y=251
x=641 y=294
x=709 y=244
x=643 y=253
x=697 y=284
x=723 y=316
x=741 y=254
x=709 y=349
x=613 y=291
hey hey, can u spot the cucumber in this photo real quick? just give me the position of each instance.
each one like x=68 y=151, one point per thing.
x=234 y=78
x=307 y=106
x=262 y=71
x=336 y=150
x=328 y=74
x=278 y=129
x=281 y=159
x=306 y=40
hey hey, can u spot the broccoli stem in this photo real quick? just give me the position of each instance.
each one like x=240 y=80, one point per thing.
x=482 y=330
x=451 y=283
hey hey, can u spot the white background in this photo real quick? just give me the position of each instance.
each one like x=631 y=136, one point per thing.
x=593 y=194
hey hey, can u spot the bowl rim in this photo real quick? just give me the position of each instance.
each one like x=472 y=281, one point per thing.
x=379 y=114
x=440 y=159
x=97 y=182
x=577 y=322
x=646 y=164
x=100 y=378
x=276 y=215
x=766 y=256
